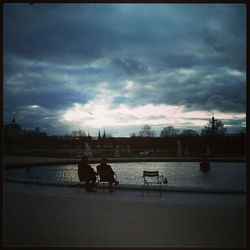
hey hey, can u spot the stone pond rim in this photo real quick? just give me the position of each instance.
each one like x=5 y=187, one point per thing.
x=19 y=161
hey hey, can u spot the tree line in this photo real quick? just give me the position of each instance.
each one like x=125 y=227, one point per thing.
x=213 y=127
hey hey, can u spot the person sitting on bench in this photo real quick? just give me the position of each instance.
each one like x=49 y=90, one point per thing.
x=106 y=173
x=86 y=173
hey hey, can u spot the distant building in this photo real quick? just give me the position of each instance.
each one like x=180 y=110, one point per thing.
x=13 y=129
x=35 y=132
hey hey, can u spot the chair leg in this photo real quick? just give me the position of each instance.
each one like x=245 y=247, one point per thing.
x=143 y=189
x=38 y=180
x=78 y=187
x=28 y=182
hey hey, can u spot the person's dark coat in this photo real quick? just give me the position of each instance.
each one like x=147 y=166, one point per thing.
x=105 y=172
x=86 y=172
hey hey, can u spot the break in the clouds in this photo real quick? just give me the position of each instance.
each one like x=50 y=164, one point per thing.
x=120 y=66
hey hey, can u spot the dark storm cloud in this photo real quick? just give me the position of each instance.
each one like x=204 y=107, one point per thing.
x=59 y=54
x=196 y=88
x=47 y=99
x=165 y=35
x=63 y=34
x=129 y=66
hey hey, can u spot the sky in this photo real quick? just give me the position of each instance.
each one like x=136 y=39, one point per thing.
x=119 y=67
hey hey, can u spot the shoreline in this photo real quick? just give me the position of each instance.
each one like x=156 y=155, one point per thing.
x=25 y=161
x=133 y=187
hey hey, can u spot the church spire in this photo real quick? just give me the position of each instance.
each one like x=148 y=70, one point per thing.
x=104 y=134
x=99 y=135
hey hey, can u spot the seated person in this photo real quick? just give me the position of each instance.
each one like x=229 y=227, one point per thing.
x=86 y=173
x=106 y=173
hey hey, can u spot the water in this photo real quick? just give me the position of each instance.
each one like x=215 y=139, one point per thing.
x=221 y=175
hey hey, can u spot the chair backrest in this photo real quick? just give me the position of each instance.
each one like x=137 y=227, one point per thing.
x=105 y=178
x=83 y=174
x=150 y=173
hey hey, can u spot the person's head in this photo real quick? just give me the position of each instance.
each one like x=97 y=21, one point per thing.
x=104 y=161
x=85 y=158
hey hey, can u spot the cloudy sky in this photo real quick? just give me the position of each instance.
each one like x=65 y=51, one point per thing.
x=120 y=66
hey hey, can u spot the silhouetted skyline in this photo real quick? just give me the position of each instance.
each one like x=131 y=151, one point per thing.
x=120 y=66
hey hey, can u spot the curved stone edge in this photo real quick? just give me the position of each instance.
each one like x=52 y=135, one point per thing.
x=55 y=161
x=134 y=187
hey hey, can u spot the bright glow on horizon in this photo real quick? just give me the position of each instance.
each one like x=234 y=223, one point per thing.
x=100 y=114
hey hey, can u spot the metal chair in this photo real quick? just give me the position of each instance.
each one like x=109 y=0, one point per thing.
x=152 y=178
x=82 y=182
x=30 y=179
x=105 y=180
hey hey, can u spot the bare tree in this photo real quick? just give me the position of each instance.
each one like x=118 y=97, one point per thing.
x=214 y=127
x=147 y=131
x=168 y=132
x=74 y=133
x=109 y=135
x=78 y=133
x=133 y=134
x=81 y=133
x=189 y=132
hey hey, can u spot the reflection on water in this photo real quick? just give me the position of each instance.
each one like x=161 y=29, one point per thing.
x=221 y=175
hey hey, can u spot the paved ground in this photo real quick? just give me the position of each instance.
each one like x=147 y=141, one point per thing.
x=59 y=216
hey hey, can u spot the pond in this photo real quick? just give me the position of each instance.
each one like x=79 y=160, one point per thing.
x=222 y=175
